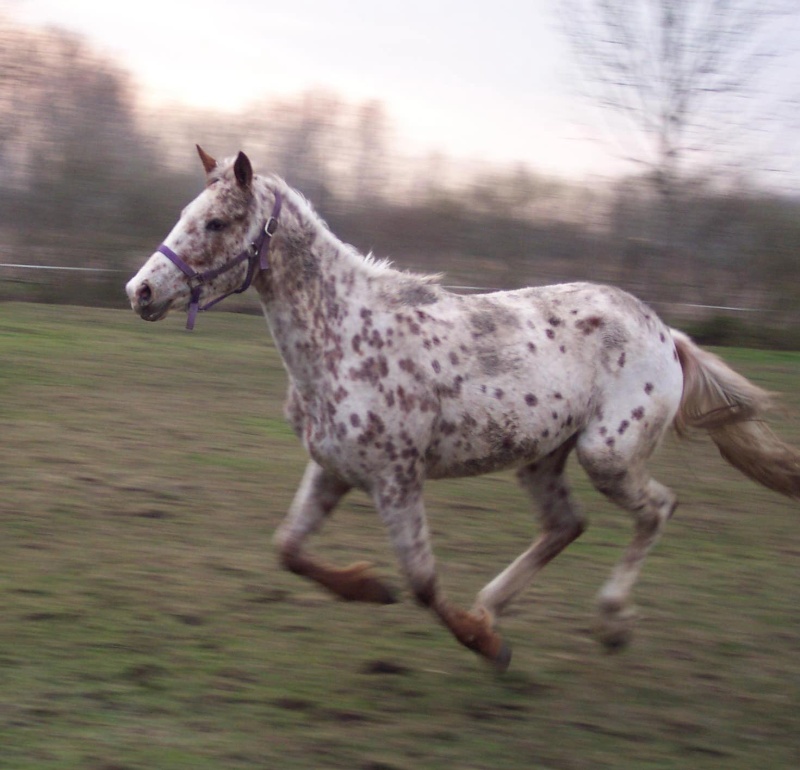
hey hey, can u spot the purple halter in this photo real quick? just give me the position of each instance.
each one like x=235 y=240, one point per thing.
x=255 y=254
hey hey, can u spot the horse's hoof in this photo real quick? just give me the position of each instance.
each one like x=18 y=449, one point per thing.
x=372 y=591
x=382 y=594
x=615 y=624
x=615 y=642
x=615 y=634
x=502 y=659
x=497 y=651
x=362 y=586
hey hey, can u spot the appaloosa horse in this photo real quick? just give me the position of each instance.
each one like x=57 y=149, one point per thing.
x=393 y=380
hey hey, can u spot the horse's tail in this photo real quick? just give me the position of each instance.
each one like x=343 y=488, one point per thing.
x=731 y=408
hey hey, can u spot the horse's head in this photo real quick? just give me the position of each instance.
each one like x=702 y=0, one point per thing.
x=213 y=249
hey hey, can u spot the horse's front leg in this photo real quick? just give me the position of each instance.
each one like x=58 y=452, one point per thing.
x=316 y=498
x=400 y=504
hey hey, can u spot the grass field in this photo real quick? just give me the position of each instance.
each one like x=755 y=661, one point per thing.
x=144 y=623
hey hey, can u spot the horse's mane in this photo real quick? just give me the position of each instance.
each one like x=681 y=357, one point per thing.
x=376 y=267
x=304 y=211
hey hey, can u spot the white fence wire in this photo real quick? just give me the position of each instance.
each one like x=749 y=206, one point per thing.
x=693 y=306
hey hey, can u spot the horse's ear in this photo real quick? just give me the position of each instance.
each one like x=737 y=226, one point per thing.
x=209 y=164
x=243 y=170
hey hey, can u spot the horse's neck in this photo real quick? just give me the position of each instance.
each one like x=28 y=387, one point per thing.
x=311 y=289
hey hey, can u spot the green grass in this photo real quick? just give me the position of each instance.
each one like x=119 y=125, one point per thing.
x=144 y=622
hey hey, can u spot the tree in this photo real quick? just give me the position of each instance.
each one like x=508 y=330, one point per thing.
x=70 y=147
x=683 y=87
x=675 y=77
x=370 y=151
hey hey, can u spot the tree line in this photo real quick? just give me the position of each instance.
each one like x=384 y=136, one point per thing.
x=91 y=180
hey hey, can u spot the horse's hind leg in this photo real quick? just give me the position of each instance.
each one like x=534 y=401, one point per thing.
x=561 y=524
x=651 y=504
x=316 y=498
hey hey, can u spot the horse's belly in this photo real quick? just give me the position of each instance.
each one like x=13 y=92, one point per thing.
x=470 y=447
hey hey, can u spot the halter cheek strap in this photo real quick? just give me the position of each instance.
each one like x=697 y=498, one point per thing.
x=256 y=254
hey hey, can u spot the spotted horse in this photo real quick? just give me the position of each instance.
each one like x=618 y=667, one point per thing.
x=393 y=380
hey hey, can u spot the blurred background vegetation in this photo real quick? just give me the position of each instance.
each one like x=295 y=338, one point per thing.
x=91 y=179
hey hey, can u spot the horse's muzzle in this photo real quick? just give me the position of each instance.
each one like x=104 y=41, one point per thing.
x=154 y=312
x=141 y=297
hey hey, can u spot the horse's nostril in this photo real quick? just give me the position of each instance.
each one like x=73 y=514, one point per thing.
x=144 y=295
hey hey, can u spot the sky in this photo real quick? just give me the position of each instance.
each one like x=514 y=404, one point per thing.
x=479 y=80
x=488 y=80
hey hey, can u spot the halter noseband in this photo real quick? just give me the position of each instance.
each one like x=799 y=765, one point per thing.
x=255 y=254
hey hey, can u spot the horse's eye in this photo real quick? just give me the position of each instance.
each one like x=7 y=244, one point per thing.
x=216 y=225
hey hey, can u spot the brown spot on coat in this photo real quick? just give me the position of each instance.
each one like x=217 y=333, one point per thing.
x=406 y=400
x=374 y=428
x=407 y=365
x=447 y=428
x=590 y=324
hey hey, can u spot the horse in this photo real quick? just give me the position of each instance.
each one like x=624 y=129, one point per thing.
x=393 y=380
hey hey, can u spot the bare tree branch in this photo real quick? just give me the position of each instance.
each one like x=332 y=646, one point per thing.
x=673 y=74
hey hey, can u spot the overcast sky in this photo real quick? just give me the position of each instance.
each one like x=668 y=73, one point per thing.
x=485 y=79
x=472 y=79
